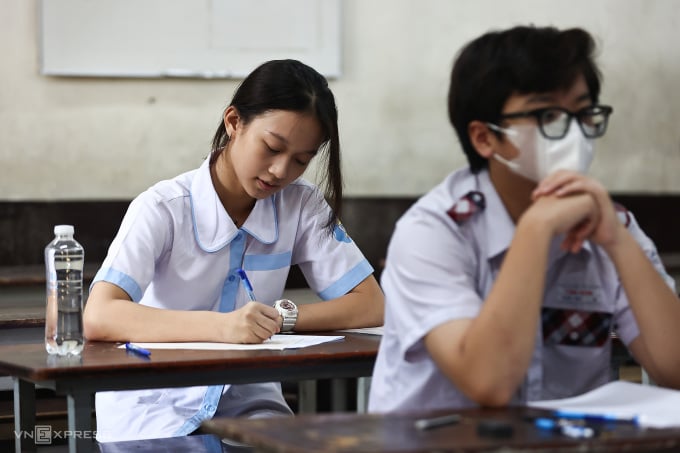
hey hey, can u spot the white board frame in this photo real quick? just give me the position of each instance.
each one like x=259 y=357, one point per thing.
x=185 y=38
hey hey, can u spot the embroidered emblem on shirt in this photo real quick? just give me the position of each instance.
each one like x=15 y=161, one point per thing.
x=578 y=296
x=340 y=233
x=575 y=327
x=466 y=206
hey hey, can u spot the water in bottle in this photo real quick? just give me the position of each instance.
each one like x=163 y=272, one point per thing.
x=64 y=259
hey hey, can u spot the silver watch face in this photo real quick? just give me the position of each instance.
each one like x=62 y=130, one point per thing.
x=287 y=305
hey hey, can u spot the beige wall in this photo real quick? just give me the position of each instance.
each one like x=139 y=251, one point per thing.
x=86 y=138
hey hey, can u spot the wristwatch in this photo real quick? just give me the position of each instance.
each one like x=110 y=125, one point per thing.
x=289 y=312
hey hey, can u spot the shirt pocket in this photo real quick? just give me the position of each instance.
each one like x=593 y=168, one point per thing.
x=573 y=327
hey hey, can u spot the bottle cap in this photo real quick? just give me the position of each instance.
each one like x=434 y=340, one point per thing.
x=63 y=230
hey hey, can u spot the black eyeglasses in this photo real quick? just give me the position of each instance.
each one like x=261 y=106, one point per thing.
x=553 y=122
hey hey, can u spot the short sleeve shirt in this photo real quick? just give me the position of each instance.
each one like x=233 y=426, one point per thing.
x=439 y=270
x=178 y=249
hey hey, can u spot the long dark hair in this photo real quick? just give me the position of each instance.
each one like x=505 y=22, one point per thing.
x=293 y=86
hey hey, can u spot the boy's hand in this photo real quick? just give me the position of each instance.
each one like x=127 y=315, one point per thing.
x=603 y=230
x=575 y=215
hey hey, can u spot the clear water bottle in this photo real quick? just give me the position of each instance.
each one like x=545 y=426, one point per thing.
x=64 y=259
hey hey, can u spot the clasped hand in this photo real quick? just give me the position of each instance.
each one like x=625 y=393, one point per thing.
x=579 y=207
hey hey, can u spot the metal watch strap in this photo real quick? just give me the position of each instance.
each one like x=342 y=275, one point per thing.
x=288 y=323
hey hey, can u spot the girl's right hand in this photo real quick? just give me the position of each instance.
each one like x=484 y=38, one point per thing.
x=253 y=323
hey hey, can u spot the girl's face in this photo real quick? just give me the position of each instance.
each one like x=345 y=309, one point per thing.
x=272 y=150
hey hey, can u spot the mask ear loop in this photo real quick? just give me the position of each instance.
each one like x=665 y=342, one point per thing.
x=512 y=165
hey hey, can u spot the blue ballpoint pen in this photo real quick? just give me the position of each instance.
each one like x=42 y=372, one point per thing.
x=565 y=428
x=137 y=349
x=588 y=417
x=246 y=283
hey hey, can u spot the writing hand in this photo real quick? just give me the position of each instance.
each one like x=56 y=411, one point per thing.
x=255 y=322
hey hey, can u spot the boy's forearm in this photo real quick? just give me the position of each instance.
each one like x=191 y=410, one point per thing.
x=655 y=306
x=499 y=343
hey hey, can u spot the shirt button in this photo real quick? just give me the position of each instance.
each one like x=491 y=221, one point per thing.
x=239 y=236
x=231 y=278
x=209 y=408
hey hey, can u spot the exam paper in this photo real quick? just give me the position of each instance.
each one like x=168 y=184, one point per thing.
x=365 y=330
x=655 y=407
x=276 y=342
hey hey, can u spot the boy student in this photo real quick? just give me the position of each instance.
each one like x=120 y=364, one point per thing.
x=503 y=283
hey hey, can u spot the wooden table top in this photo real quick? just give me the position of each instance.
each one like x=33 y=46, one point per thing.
x=102 y=359
x=345 y=432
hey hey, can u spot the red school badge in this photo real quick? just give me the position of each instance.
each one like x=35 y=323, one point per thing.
x=466 y=206
x=623 y=214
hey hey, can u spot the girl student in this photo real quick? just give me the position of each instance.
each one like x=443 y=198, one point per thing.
x=172 y=271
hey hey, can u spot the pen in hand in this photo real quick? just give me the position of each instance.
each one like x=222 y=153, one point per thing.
x=435 y=422
x=137 y=349
x=246 y=283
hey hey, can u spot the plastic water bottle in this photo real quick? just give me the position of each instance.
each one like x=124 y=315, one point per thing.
x=64 y=259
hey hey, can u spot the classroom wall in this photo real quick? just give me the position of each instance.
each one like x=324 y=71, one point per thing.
x=94 y=139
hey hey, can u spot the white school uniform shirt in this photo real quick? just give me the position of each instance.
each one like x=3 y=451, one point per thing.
x=438 y=270
x=178 y=249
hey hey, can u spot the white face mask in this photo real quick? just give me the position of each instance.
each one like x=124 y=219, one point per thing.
x=539 y=156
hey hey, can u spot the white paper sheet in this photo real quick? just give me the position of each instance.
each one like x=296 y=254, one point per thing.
x=277 y=342
x=366 y=330
x=655 y=407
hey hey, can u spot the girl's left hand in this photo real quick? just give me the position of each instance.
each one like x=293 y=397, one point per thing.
x=604 y=232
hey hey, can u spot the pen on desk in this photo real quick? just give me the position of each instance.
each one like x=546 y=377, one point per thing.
x=588 y=417
x=137 y=349
x=435 y=422
x=565 y=428
x=246 y=283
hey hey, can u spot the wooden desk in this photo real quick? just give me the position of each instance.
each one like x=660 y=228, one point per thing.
x=396 y=433
x=103 y=366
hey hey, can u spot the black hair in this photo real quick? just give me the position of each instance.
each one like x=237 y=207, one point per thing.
x=519 y=60
x=293 y=86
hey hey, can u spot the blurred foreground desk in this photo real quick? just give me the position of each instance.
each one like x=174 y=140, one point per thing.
x=338 y=432
x=103 y=366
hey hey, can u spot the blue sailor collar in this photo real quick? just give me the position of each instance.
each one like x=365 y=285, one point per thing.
x=213 y=227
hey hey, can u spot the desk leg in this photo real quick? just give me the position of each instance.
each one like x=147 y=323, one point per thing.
x=363 y=388
x=339 y=395
x=81 y=434
x=307 y=397
x=24 y=415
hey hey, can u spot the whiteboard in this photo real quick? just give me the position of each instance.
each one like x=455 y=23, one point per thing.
x=185 y=38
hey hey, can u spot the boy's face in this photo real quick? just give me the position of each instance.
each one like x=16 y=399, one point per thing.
x=572 y=99
x=538 y=136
